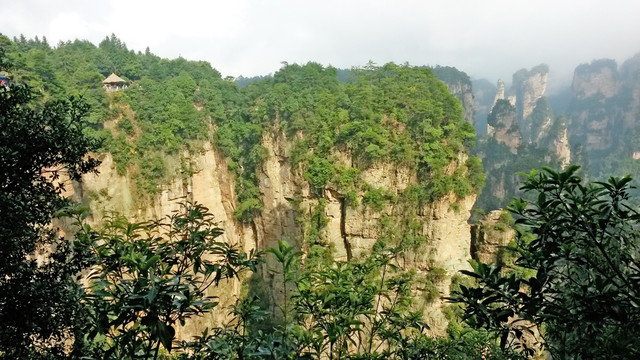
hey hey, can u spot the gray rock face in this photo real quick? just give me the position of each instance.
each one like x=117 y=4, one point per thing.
x=606 y=103
x=528 y=87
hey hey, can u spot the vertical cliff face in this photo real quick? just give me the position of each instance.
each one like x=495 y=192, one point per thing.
x=490 y=235
x=561 y=147
x=523 y=134
x=351 y=231
x=523 y=115
x=598 y=78
x=211 y=185
x=529 y=87
x=603 y=115
x=333 y=168
x=629 y=91
x=459 y=84
x=593 y=113
x=502 y=125
x=464 y=93
x=499 y=93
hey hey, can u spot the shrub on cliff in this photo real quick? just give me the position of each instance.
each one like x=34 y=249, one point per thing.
x=585 y=296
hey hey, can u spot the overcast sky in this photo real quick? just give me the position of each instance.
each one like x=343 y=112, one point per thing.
x=487 y=39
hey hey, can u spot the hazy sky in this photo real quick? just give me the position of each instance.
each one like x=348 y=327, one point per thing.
x=491 y=38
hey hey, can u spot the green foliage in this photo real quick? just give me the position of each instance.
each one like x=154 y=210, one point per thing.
x=502 y=166
x=125 y=125
x=584 y=292
x=391 y=113
x=397 y=114
x=348 y=310
x=500 y=109
x=40 y=144
x=148 y=278
x=168 y=107
x=319 y=173
x=597 y=66
x=451 y=75
x=522 y=74
x=320 y=252
x=540 y=118
x=376 y=198
x=476 y=173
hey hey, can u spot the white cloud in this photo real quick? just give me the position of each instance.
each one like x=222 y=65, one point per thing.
x=484 y=38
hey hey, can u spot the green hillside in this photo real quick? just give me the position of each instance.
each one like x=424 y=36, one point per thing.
x=390 y=113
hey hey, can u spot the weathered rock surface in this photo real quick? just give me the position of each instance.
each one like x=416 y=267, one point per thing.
x=562 y=148
x=499 y=93
x=599 y=77
x=490 y=235
x=287 y=199
x=529 y=87
x=606 y=104
x=502 y=125
x=459 y=84
x=463 y=92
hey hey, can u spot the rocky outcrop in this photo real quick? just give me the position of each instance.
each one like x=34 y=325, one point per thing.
x=629 y=89
x=598 y=78
x=490 y=235
x=502 y=125
x=526 y=117
x=499 y=93
x=561 y=147
x=464 y=93
x=509 y=120
x=606 y=104
x=211 y=185
x=288 y=204
x=529 y=87
x=352 y=231
x=459 y=84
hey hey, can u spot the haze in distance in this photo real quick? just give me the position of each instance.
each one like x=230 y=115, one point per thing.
x=486 y=39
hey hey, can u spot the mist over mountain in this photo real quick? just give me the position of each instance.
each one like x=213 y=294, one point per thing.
x=592 y=122
x=491 y=39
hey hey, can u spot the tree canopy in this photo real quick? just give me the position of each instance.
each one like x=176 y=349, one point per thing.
x=41 y=143
x=583 y=287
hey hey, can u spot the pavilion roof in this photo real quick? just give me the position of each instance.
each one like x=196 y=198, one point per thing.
x=113 y=78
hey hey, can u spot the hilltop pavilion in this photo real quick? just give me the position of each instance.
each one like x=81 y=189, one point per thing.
x=113 y=83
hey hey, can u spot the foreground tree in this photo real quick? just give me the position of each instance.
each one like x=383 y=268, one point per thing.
x=584 y=294
x=147 y=278
x=39 y=143
x=338 y=310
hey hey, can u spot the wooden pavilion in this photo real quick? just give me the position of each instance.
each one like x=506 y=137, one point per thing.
x=113 y=83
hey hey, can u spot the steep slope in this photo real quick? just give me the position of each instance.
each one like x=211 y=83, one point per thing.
x=603 y=116
x=334 y=168
x=460 y=85
x=522 y=134
x=484 y=93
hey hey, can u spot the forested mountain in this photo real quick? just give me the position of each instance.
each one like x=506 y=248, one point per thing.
x=343 y=195
x=347 y=169
x=169 y=104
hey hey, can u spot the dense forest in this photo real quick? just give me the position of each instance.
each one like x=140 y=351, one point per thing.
x=358 y=115
x=123 y=288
